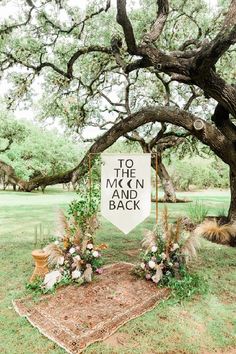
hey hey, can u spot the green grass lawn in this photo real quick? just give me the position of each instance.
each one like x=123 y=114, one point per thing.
x=204 y=324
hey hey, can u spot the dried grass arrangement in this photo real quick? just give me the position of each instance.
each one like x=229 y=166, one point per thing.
x=165 y=250
x=224 y=234
x=73 y=257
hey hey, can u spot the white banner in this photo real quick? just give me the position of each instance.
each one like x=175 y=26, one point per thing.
x=126 y=189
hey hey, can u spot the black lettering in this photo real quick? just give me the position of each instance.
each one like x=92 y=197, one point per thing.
x=132 y=173
x=129 y=163
x=133 y=194
x=120 y=205
x=129 y=201
x=121 y=163
x=125 y=173
x=112 y=184
x=115 y=194
x=140 y=183
x=112 y=205
x=117 y=171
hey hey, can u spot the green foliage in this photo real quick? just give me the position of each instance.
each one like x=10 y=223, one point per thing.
x=86 y=204
x=188 y=285
x=199 y=172
x=222 y=212
x=36 y=152
x=36 y=287
x=95 y=262
x=11 y=130
x=77 y=102
x=197 y=211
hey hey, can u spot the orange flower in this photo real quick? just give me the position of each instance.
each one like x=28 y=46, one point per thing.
x=102 y=246
x=66 y=243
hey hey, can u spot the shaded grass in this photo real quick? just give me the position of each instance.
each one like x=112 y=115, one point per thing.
x=206 y=323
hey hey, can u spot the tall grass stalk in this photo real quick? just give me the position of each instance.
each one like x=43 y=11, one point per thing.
x=197 y=211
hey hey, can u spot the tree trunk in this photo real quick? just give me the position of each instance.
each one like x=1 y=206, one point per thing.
x=232 y=208
x=168 y=187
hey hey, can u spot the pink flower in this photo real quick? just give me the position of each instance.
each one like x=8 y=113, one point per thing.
x=99 y=270
x=148 y=276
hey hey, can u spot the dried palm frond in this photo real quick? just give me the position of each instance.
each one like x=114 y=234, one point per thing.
x=55 y=255
x=51 y=279
x=190 y=246
x=63 y=220
x=212 y=231
x=63 y=225
x=149 y=240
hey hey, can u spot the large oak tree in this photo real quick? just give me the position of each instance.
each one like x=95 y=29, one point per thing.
x=82 y=61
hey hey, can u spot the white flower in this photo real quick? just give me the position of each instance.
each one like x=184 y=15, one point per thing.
x=95 y=254
x=163 y=255
x=174 y=247
x=89 y=246
x=72 y=250
x=57 y=242
x=170 y=264
x=60 y=260
x=76 y=274
x=142 y=265
x=151 y=264
x=154 y=249
x=78 y=258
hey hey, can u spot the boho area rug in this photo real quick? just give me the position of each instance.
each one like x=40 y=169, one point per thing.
x=76 y=317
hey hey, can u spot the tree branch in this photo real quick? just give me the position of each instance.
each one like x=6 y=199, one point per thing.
x=82 y=51
x=123 y=20
x=159 y=135
x=223 y=123
x=209 y=136
x=210 y=53
x=157 y=27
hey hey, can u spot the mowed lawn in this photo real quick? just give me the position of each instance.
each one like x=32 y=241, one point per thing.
x=204 y=324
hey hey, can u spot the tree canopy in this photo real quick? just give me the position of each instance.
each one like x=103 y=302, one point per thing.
x=33 y=152
x=118 y=68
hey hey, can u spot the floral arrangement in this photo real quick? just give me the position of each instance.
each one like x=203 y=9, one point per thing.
x=74 y=257
x=165 y=252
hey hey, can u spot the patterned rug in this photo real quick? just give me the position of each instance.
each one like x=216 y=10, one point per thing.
x=76 y=317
